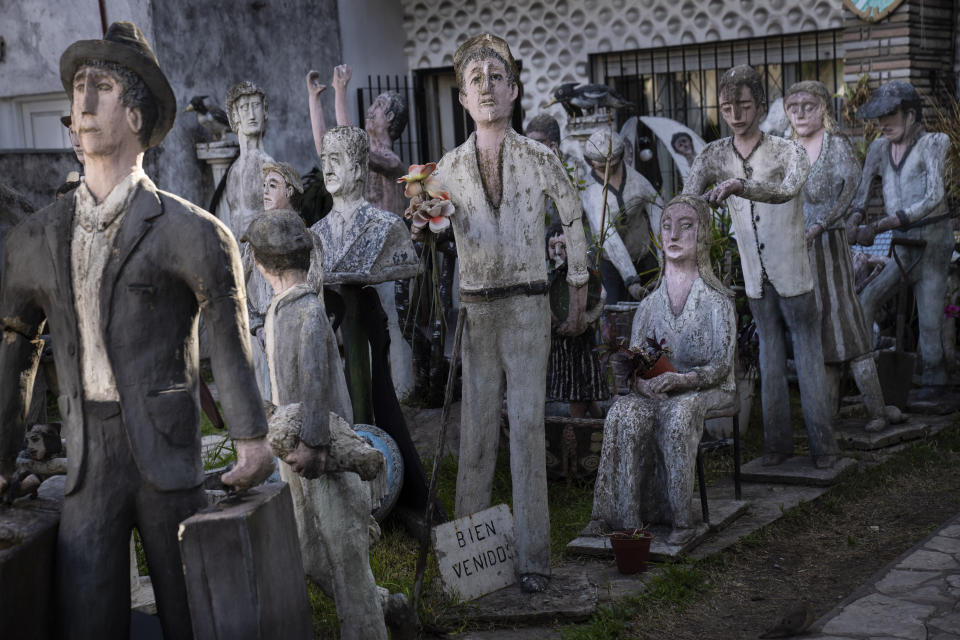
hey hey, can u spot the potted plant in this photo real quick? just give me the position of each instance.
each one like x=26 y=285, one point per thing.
x=631 y=548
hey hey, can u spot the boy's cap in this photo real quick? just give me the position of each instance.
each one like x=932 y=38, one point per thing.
x=277 y=233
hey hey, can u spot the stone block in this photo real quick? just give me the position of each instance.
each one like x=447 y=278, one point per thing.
x=660 y=551
x=28 y=547
x=796 y=470
x=476 y=554
x=568 y=597
x=850 y=433
x=898 y=581
x=929 y=561
x=243 y=570
x=943 y=544
x=877 y=615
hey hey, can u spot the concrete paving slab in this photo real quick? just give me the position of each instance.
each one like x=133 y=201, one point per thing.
x=944 y=544
x=900 y=581
x=949 y=623
x=945 y=402
x=928 y=560
x=880 y=615
x=569 y=597
x=796 y=470
x=660 y=551
x=851 y=435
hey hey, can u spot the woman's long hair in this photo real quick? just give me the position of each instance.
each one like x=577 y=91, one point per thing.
x=704 y=239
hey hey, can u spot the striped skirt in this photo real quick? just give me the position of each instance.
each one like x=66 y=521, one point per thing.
x=844 y=329
x=574 y=373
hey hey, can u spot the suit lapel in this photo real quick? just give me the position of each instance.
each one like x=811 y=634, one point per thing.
x=353 y=232
x=136 y=222
x=59 y=237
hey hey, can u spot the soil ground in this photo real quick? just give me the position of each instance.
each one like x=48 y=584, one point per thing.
x=821 y=551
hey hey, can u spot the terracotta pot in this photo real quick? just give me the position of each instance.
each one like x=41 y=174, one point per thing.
x=631 y=552
x=662 y=365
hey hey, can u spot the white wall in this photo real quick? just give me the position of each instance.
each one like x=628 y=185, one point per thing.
x=372 y=37
x=36 y=34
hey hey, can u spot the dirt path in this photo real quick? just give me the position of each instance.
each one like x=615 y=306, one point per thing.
x=821 y=551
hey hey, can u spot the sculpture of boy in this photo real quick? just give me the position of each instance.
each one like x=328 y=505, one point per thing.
x=829 y=189
x=762 y=175
x=282 y=187
x=650 y=438
x=332 y=509
x=910 y=161
x=121 y=271
x=630 y=197
x=499 y=182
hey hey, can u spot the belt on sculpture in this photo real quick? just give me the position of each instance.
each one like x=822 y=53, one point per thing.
x=489 y=294
x=906 y=226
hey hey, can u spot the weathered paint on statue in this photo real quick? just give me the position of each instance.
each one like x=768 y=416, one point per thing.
x=829 y=189
x=760 y=176
x=650 y=438
x=910 y=161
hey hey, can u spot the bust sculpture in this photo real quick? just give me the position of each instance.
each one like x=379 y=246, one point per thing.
x=362 y=244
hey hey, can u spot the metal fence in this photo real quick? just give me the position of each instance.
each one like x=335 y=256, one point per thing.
x=681 y=82
x=408 y=146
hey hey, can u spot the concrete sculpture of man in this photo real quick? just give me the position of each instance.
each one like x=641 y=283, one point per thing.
x=762 y=176
x=332 y=509
x=910 y=161
x=121 y=270
x=827 y=193
x=246 y=107
x=632 y=210
x=650 y=438
x=499 y=182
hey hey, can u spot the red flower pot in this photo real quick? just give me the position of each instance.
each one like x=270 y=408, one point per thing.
x=662 y=365
x=630 y=551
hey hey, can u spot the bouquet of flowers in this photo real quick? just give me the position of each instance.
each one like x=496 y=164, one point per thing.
x=430 y=203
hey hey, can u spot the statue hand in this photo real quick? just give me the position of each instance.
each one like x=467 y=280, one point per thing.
x=865 y=235
x=671 y=381
x=574 y=325
x=314 y=87
x=254 y=464
x=341 y=76
x=637 y=291
x=722 y=191
x=309 y=462
x=813 y=233
x=851 y=227
x=644 y=388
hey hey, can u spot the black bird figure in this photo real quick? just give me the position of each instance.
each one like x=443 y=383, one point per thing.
x=209 y=116
x=575 y=99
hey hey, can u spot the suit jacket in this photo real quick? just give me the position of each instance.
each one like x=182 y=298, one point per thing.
x=376 y=247
x=170 y=261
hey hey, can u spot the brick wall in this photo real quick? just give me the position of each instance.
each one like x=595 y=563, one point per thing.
x=914 y=43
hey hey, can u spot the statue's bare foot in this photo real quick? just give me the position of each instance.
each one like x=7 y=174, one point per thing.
x=825 y=461
x=534 y=582
x=773 y=459
x=893 y=414
x=254 y=464
x=594 y=528
x=681 y=535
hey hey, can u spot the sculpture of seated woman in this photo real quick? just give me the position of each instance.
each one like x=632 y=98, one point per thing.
x=650 y=438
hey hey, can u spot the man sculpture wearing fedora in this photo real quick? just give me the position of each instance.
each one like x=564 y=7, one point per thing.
x=121 y=270
x=499 y=182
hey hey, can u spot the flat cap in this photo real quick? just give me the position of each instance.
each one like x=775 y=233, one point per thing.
x=277 y=233
x=886 y=98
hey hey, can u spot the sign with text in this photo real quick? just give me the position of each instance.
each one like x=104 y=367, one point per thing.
x=475 y=553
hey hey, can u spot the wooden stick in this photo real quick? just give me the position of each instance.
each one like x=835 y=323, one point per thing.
x=441 y=439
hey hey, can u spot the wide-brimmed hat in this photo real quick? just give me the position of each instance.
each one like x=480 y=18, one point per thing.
x=886 y=98
x=125 y=45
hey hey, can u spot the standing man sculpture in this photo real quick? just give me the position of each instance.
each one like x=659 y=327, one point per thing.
x=121 y=271
x=910 y=161
x=764 y=175
x=499 y=182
